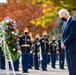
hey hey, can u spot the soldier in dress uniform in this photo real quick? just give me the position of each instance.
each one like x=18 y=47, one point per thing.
x=16 y=62
x=31 y=53
x=36 y=44
x=53 y=51
x=49 y=58
x=25 y=49
x=61 y=54
x=2 y=57
x=44 y=50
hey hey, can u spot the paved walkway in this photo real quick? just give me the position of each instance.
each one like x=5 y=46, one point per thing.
x=50 y=71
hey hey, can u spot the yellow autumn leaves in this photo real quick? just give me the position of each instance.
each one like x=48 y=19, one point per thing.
x=38 y=22
x=47 y=14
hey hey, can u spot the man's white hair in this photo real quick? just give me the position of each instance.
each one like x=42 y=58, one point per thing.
x=63 y=11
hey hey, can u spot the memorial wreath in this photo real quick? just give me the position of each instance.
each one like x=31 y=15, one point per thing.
x=11 y=38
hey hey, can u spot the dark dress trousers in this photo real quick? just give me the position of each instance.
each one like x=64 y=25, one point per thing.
x=45 y=49
x=2 y=59
x=36 y=50
x=61 y=55
x=53 y=51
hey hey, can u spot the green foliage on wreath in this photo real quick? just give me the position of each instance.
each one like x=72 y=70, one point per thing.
x=11 y=38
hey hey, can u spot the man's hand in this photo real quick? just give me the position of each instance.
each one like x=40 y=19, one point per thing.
x=63 y=46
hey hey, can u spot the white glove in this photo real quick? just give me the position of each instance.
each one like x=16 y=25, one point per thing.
x=19 y=52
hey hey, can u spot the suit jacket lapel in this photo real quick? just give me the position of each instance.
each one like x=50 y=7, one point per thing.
x=68 y=23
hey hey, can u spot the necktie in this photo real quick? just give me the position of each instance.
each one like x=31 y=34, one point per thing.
x=64 y=25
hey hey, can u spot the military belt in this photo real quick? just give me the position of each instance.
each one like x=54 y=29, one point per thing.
x=25 y=45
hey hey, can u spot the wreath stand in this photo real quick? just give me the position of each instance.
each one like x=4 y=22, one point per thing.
x=6 y=60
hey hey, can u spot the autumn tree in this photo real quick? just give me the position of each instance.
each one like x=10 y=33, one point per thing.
x=22 y=13
x=37 y=15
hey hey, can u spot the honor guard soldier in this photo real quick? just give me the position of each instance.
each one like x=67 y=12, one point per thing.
x=25 y=49
x=61 y=54
x=53 y=51
x=2 y=57
x=36 y=44
x=44 y=50
x=16 y=62
x=31 y=53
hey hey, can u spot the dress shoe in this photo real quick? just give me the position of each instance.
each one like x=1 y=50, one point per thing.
x=44 y=70
x=30 y=68
x=16 y=70
x=37 y=69
x=2 y=68
x=54 y=67
x=62 y=68
x=25 y=72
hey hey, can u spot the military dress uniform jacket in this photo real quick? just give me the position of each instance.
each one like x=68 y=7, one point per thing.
x=36 y=46
x=25 y=44
x=44 y=45
x=53 y=47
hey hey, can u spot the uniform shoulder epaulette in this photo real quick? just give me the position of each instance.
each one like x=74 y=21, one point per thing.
x=40 y=38
x=33 y=41
x=20 y=35
x=50 y=42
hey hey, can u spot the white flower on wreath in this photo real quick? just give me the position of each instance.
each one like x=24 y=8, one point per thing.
x=13 y=33
x=16 y=34
x=1 y=26
x=2 y=22
x=7 y=19
x=14 y=49
x=17 y=42
x=7 y=26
